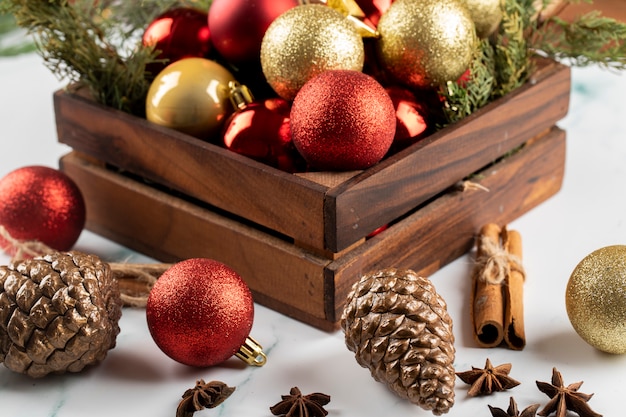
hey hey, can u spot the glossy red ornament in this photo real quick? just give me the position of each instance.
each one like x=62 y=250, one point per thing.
x=411 y=122
x=41 y=204
x=373 y=9
x=237 y=26
x=260 y=130
x=200 y=312
x=178 y=33
x=342 y=120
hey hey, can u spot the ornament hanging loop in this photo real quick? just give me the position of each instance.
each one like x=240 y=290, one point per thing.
x=251 y=352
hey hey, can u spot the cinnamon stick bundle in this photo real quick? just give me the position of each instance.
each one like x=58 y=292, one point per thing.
x=497 y=289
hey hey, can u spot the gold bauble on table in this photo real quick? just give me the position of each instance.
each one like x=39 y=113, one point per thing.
x=425 y=43
x=486 y=14
x=306 y=41
x=596 y=299
x=192 y=96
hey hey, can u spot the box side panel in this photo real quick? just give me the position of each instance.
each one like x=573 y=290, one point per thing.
x=446 y=228
x=170 y=229
x=272 y=198
x=396 y=186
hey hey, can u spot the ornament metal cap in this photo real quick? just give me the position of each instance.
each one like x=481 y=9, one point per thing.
x=240 y=95
x=251 y=352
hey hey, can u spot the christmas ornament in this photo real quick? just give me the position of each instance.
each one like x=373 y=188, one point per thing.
x=200 y=313
x=486 y=14
x=41 y=204
x=260 y=130
x=398 y=327
x=595 y=299
x=411 y=123
x=306 y=41
x=192 y=96
x=237 y=26
x=58 y=313
x=342 y=120
x=425 y=43
x=178 y=33
x=374 y=9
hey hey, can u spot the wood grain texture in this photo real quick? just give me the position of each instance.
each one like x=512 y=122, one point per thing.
x=272 y=198
x=395 y=186
x=445 y=229
x=326 y=211
x=290 y=279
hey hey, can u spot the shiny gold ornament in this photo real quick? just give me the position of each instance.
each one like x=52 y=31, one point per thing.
x=306 y=41
x=595 y=299
x=424 y=43
x=486 y=14
x=191 y=96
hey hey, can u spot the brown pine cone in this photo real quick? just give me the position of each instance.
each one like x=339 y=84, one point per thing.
x=398 y=327
x=58 y=313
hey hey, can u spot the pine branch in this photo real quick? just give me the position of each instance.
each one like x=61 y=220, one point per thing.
x=589 y=39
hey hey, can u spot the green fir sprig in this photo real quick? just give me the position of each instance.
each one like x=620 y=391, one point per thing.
x=95 y=43
x=589 y=39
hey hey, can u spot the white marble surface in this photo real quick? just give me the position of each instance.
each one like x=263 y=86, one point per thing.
x=136 y=379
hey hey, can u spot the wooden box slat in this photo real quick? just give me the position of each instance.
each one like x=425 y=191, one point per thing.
x=327 y=218
x=293 y=280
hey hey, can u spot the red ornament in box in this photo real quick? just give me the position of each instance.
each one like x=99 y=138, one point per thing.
x=238 y=26
x=374 y=9
x=200 y=313
x=260 y=130
x=178 y=33
x=411 y=119
x=39 y=203
x=342 y=120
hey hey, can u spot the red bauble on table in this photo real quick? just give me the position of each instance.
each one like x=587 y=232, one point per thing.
x=200 y=312
x=39 y=203
x=260 y=130
x=342 y=120
x=178 y=33
x=237 y=26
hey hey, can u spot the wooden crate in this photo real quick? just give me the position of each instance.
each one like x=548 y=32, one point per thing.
x=300 y=240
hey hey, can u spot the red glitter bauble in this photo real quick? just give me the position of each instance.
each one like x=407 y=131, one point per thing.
x=39 y=203
x=178 y=33
x=200 y=312
x=342 y=120
x=238 y=26
x=260 y=130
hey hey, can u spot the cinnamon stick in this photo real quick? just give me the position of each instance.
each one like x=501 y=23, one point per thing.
x=514 y=334
x=487 y=298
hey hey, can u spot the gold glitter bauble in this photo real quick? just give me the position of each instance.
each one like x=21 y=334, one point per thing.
x=424 y=43
x=486 y=14
x=192 y=96
x=596 y=299
x=306 y=41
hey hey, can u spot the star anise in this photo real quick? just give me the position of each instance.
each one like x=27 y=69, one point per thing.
x=512 y=411
x=489 y=379
x=564 y=398
x=203 y=395
x=297 y=405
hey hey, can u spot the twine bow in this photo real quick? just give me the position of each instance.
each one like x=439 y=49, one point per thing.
x=496 y=263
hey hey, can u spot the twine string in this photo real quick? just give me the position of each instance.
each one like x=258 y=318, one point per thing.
x=495 y=263
x=140 y=277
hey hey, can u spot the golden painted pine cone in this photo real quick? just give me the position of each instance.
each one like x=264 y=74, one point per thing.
x=58 y=313
x=399 y=328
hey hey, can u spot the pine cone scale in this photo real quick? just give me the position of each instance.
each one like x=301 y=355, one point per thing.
x=398 y=327
x=59 y=313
